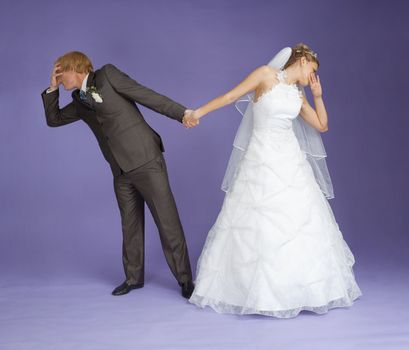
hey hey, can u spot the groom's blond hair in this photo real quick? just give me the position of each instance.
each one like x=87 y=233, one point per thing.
x=75 y=61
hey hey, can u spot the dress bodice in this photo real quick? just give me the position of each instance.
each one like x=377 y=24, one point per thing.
x=279 y=105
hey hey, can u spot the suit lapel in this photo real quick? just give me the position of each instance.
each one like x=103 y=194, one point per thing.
x=91 y=79
x=91 y=82
x=76 y=97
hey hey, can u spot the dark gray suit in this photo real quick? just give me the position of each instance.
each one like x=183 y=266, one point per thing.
x=134 y=152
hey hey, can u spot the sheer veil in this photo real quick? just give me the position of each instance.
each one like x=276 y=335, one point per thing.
x=309 y=139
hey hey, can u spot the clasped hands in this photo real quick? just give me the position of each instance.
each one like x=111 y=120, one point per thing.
x=190 y=119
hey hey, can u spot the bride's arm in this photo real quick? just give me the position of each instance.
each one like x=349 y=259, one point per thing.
x=317 y=117
x=250 y=83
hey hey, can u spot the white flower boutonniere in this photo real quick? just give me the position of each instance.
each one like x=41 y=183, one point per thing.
x=95 y=94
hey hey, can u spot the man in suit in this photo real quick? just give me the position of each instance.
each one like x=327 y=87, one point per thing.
x=106 y=101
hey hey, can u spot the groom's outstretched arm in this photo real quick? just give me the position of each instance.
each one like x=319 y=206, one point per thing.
x=54 y=115
x=131 y=89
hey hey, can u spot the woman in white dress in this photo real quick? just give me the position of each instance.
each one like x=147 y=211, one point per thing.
x=275 y=248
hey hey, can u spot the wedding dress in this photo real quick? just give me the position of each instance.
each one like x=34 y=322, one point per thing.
x=275 y=248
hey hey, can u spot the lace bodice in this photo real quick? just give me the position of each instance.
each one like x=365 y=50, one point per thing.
x=282 y=101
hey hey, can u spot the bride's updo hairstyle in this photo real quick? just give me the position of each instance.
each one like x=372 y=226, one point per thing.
x=301 y=50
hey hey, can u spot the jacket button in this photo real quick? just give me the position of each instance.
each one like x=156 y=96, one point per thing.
x=107 y=137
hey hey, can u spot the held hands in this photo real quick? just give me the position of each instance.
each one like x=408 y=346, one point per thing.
x=315 y=85
x=190 y=119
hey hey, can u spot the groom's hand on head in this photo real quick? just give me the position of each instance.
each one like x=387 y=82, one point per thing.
x=55 y=80
x=188 y=120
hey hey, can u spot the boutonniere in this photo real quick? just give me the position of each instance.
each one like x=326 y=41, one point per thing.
x=95 y=94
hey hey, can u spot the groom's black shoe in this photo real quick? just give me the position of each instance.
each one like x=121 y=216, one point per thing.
x=125 y=288
x=187 y=289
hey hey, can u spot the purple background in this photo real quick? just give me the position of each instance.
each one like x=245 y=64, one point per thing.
x=60 y=237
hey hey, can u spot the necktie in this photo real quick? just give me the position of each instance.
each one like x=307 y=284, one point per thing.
x=83 y=96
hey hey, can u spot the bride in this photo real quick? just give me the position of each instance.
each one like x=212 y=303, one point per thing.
x=275 y=248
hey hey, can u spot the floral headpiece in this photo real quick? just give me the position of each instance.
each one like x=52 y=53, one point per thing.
x=309 y=51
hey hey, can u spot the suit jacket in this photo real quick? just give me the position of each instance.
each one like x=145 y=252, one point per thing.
x=125 y=138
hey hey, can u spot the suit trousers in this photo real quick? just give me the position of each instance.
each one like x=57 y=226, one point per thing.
x=149 y=183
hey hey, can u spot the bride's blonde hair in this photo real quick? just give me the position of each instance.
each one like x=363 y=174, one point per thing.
x=301 y=50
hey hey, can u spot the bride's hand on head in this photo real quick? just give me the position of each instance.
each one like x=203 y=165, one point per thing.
x=315 y=85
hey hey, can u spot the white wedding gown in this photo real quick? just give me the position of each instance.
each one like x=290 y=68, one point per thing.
x=275 y=248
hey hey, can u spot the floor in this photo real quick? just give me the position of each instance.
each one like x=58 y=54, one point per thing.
x=79 y=313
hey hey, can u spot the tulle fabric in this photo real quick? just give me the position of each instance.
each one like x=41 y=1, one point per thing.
x=275 y=248
x=309 y=139
x=349 y=294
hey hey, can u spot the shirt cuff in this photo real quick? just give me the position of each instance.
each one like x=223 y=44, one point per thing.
x=50 y=90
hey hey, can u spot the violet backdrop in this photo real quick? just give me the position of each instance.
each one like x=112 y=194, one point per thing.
x=59 y=218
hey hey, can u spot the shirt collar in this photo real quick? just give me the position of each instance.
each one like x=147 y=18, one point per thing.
x=84 y=83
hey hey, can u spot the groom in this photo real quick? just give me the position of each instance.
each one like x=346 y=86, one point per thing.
x=105 y=101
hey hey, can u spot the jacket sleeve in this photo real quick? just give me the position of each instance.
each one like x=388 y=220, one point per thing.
x=53 y=114
x=132 y=90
